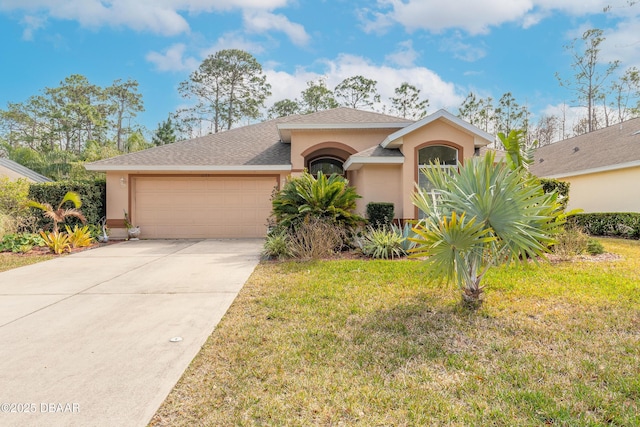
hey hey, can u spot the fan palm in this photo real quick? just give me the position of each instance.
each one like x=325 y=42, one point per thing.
x=484 y=214
x=60 y=213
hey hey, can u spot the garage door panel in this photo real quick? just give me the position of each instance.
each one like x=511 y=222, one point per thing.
x=199 y=207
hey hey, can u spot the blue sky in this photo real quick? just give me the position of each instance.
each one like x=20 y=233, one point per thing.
x=446 y=49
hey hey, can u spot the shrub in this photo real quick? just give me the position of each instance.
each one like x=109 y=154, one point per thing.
x=316 y=238
x=550 y=185
x=570 y=242
x=380 y=214
x=92 y=194
x=56 y=242
x=79 y=237
x=277 y=245
x=594 y=247
x=14 y=214
x=20 y=242
x=382 y=243
x=617 y=224
x=327 y=198
x=407 y=235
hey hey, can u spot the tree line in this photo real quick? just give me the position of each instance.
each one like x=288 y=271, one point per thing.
x=78 y=121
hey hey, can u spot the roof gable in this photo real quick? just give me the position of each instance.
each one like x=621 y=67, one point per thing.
x=481 y=137
x=610 y=148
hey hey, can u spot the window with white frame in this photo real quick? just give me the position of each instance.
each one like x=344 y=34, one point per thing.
x=448 y=157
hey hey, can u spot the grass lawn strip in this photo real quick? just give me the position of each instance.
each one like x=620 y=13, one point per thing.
x=9 y=260
x=371 y=343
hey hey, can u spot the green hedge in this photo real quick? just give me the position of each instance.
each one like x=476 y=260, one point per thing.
x=92 y=193
x=618 y=224
x=380 y=214
x=550 y=185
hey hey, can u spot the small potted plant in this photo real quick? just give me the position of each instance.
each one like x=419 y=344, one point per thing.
x=133 y=232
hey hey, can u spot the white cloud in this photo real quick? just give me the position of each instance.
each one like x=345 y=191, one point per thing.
x=623 y=42
x=471 y=16
x=461 y=50
x=172 y=59
x=233 y=40
x=441 y=94
x=405 y=56
x=32 y=23
x=261 y=21
x=156 y=16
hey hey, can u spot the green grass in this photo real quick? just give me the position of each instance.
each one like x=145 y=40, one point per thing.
x=372 y=343
x=9 y=260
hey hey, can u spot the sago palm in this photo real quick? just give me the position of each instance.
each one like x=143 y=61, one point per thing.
x=325 y=197
x=483 y=214
x=61 y=213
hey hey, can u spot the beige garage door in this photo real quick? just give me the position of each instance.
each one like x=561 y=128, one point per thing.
x=202 y=207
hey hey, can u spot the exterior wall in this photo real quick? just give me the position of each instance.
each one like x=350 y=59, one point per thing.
x=436 y=133
x=121 y=197
x=379 y=183
x=613 y=191
x=304 y=142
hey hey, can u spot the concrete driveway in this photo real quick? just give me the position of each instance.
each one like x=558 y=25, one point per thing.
x=85 y=339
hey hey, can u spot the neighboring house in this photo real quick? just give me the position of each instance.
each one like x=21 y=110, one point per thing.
x=220 y=185
x=15 y=171
x=603 y=168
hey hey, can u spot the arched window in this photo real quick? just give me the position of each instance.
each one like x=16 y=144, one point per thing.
x=326 y=165
x=448 y=157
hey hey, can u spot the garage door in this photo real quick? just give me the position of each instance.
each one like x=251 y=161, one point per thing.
x=203 y=207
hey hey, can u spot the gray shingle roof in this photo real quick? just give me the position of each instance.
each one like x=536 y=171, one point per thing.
x=24 y=171
x=378 y=151
x=346 y=115
x=248 y=146
x=251 y=145
x=606 y=148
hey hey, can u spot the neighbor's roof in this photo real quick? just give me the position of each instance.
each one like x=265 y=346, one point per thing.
x=24 y=171
x=254 y=147
x=614 y=147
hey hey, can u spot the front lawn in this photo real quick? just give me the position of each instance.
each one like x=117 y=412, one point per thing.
x=10 y=260
x=354 y=342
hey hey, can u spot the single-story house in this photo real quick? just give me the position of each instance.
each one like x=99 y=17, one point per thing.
x=602 y=167
x=220 y=185
x=15 y=171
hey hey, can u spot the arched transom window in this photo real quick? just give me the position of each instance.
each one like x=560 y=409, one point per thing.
x=327 y=165
x=448 y=157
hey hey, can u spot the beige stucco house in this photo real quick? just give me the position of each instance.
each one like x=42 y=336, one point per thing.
x=15 y=171
x=220 y=185
x=603 y=168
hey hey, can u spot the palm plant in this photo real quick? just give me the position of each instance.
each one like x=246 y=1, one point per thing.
x=329 y=198
x=484 y=214
x=518 y=155
x=60 y=214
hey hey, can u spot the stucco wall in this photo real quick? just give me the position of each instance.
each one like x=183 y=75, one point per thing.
x=303 y=141
x=379 y=183
x=436 y=133
x=613 y=191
